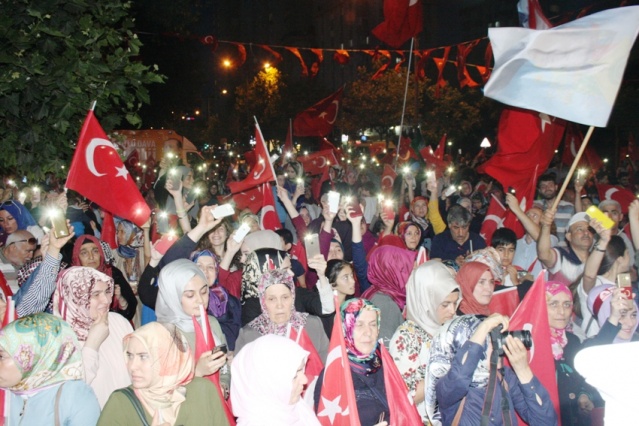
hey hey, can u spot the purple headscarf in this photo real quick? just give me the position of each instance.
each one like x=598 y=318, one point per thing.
x=388 y=270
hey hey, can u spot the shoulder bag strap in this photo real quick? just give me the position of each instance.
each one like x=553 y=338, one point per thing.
x=458 y=414
x=128 y=392
x=56 y=409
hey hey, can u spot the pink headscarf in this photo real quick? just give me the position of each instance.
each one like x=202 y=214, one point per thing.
x=467 y=277
x=558 y=339
x=388 y=271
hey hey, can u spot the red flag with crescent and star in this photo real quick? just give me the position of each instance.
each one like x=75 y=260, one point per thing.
x=262 y=172
x=268 y=215
x=316 y=162
x=98 y=173
x=319 y=119
x=617 y=193
x=388 y=179
x=250 y=199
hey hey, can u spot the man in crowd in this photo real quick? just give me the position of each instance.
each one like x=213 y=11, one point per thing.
x=17 y=250
x=548 y=188
x=458 y=241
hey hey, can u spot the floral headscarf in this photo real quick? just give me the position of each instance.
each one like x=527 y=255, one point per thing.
x=258 y=262
x=133 y=237
x=599 y=300
x=490 y=257
x=467 y=277
x=445 y=345
x=558 y=339
x=218 y=296
x=45 y=350
x=173 y=367
x=263 y=323
x=104 y=267
x=72 y=297
x=350 y=310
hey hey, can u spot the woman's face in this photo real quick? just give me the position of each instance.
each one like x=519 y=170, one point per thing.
x=187 y=181
x=121 y=235
x=299 y=381
x=628 y=321
x=366 y=331
x=253 y=224
x=218 y=236
x=290 y=171
x=306 y=216
x=208 y=265
x=345 y=282
x=139 y=364
x=8 y=222
x=90 y=255
x=100 y=300
x=483 y=291
x=559 y=310
x=446 y=309
x=10 y=375
x=278 y=301
x=196 y=293
x=335 y=252
x=411 y=237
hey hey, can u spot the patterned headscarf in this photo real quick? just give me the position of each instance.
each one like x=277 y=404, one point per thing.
x=467 y=277
x=133 y=236
x=263 y=323
x=104 y=267
x=218 y=296
x=445 y=345
x=490 y=257
x=388 y=271
x=173 y=367
x=45 y=350
x=599 y=300
x=421 y=221
x=72 y=297
x=350 y=310
x=558 y=339
x=258 y=262
x=173 y=278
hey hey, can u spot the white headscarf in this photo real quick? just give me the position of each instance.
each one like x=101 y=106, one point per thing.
x=173 y=279
x=263 y=373
x=427 y=287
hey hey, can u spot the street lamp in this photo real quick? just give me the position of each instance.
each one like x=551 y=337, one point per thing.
x=267 y=65
x=226 y=63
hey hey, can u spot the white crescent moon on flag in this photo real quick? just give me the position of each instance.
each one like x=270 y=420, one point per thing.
x=522 y=203
x=389 y=178
x=263 y=214
x=412 y=2
x=321 y=166
x=498 y=220
x=95 y=142
x=260 y=161
x=336 y=109
x=609 y=192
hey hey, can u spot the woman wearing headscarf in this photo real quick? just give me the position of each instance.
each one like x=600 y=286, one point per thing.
x=411 y=235
x=129 y=255
x=268 y=380
x=477 y=286
x=42 y=368
x=182 y=291
x=14 y=216
x=432 y=297
x=388 y=271
x=576 y=397
x=164 y=389
x=459 y=371
x=82 y=298
x=616 y=313
x=89 y=252
x=277 y=299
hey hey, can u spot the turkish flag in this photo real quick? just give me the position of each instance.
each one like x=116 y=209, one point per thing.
x=262 y=172
x=388 y=178
x=316 y=185
x=97 y=172
x=572 y=143
x=504 y=301
x=319 y=119
x=337 y=404
x=406 y=151
x=204 y=342
x=288 y=151
x=316 y=162
x=532 y=315
x=400 y=403
x=630 y=151
x=402 y=20
x=617 y=193
x=314 y=365
x=436 y=158
x=108 y=230
x=494 y=219
x=250 y=199
x=268 y=215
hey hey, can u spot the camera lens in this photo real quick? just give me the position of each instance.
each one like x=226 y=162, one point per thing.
x=523 y=335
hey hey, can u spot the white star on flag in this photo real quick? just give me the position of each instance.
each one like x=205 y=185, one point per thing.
x=122 y=171
x=544 y=119
x=331 y=408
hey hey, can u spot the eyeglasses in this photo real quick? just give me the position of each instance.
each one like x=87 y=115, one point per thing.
x=31 y=241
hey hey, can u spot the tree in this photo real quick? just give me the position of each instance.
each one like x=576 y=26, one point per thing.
x=261 y=98
x=58 y=56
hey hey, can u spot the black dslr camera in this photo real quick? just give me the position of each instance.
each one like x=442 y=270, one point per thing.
x=499 y=339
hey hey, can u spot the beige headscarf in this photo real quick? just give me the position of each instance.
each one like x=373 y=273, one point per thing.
x=427 y=287
x=172 y=370
x=263 y=239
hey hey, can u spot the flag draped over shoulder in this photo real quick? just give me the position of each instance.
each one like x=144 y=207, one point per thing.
x=97 y=172
x=262 y=172
x=572 y=71
x=400 y=403
x=319 y=119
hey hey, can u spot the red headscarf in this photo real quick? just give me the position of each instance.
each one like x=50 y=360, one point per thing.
x=388 y=271
x=104 y=267
x=467 y=277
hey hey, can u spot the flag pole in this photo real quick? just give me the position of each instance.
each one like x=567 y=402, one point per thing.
x=93 y=104
x=401 y=123
x=573 y=167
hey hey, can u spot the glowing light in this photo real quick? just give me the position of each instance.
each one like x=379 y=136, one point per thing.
x=226 y=63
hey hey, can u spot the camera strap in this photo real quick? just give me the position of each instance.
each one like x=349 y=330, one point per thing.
x=490 y=394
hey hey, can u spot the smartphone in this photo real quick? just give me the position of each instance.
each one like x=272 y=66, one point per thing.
x=354 y=203
x=511 y=190
x=165 y=242
x=59 y=222
x=311 y=243
x=241 y=232
x=223 y=210
x=450 y=190
x=175 y=178
x=388 y=208
x=593 y=212
x=162 y=220
x=192 y=195
x=333 y=201
x=220 y=348
x=623 y=282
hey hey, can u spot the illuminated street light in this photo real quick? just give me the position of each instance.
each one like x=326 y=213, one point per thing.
x=267 y=65
x=226 y=63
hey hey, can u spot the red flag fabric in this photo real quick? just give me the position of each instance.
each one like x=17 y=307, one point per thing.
x=463 y=76
x=316 y=162
x=436 y=158
x=441 y=64
x=295 y=51
x=342 y=57
x=337 y=405
x=319 y=119
x=494 y=219
x=403 y=19
x=388 y=178
x=262 y=172
x=617 y=193
x=268 y=215
x=4 y=286
x=504 y=301
x=250 y=199
x=97 y=172
x=108 y=230
x=204 y=342
x=406 y=151
x=288 y=149
x=572 y=143
x=532 y=315
x=316 y=185
x=400 y=403
x=629 y=151
x=314 y=365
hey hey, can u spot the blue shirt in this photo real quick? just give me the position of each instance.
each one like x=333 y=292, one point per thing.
x=445 y=248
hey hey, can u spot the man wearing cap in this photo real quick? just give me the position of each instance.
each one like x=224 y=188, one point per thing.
x=612 y=209
x=548 y=188
x=18 y=249
x=565 y=264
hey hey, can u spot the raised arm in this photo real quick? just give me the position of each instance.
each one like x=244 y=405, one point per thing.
x=545 y=253
x=596 y=256
x=530 y=226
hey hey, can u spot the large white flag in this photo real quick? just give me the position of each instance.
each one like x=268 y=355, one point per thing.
x=572 y=71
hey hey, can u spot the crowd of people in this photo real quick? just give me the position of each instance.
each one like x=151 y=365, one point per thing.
x=111 y=333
